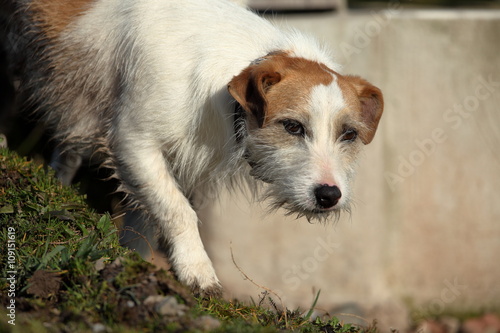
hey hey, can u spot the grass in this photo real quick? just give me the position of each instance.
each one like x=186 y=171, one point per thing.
x=69 y=273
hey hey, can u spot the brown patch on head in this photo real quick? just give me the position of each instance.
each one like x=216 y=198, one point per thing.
x=54 y=16
x=275 y=83
x=361 y=95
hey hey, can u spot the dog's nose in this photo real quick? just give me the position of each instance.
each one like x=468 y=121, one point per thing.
x=327 y=196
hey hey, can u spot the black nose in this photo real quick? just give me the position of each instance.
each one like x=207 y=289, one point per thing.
x=327 y=196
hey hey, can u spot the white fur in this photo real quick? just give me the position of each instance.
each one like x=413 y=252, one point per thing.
x=327 y=168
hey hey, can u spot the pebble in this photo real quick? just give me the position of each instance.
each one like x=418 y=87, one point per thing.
x=99 y=264
x=3 y=141
x=207 y=323
x=98 y=328
x=153 y=299
x=168 y=306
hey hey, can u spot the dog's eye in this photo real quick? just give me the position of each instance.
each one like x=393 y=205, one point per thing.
x=293 y=127
x=349 y=135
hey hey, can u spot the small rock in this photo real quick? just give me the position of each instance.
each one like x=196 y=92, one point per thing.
x=99 y=264
x=207 y=323
x=55 y=312
x=3 y=141
x=170 y=307
x=118 y=262
x=98 y=328
x=153 y=299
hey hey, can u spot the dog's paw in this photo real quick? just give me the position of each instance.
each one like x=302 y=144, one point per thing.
x=198 y=273
x=214 y=291
x=204 y=286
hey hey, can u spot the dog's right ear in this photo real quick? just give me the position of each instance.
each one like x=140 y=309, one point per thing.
x=249 y=88
x=372 y=106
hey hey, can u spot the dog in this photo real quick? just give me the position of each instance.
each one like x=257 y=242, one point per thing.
x=181 y=98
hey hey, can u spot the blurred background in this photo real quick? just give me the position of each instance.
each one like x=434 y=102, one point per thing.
x=422 y=244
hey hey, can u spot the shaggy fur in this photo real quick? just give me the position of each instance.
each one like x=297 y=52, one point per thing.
x=181 y=97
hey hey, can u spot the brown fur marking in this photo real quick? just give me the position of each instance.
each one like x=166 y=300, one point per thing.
x=363 y=96
x=253 y=88
x=54 y=16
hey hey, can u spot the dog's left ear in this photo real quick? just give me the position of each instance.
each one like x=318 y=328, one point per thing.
x=372 y=106
x=250 y=87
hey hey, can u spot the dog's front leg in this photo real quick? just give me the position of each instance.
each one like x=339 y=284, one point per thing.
x=145 y=173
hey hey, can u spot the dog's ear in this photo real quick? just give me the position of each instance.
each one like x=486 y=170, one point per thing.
x=250 y=87
x=372 y=106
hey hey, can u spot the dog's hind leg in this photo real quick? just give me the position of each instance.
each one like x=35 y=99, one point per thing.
x=66 y=164
x=145 y=174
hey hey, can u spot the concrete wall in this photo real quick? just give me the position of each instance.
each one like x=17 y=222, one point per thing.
x=425 y=229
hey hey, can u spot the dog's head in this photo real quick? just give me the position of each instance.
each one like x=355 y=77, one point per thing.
x=304 y=127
